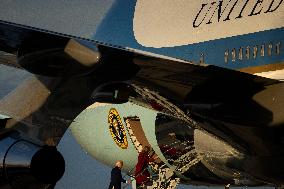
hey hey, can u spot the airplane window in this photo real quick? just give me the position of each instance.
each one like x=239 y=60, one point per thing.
x=240 y=53
x=278 y=48
x=269 y=52
x=262 y=51
x=248 y=52
x=226 y=56
x=255 y=49
x=234 y=55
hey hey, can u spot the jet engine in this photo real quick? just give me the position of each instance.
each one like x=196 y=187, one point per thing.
x=27 y=165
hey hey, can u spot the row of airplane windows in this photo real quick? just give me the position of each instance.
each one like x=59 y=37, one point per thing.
x=252 y=52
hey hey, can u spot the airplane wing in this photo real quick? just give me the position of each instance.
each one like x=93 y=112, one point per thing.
x=53 y=59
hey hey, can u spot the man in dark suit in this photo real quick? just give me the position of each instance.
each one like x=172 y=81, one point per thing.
x=116 y=177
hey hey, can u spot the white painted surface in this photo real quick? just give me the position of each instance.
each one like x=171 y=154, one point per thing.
x=77 y=17
x=168 y=23
x=278 y=74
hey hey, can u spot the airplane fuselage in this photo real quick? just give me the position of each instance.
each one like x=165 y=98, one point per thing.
x=170 y=72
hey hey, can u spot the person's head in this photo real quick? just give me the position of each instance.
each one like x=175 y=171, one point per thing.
x=119 y=164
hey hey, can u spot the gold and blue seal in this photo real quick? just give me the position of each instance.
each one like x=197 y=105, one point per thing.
x=117 y=129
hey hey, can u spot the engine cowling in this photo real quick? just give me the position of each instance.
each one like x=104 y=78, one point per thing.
x=27 y=165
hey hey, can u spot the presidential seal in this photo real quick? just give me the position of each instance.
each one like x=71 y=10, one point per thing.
x=116 y=129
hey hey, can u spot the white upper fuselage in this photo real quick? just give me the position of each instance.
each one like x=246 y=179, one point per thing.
x=245 y=35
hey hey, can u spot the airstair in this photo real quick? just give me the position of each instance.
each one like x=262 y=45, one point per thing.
x=163 y=177
x=166 y=178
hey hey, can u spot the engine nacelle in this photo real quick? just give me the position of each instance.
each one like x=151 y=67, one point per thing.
x=56 y=57
x=27 y=165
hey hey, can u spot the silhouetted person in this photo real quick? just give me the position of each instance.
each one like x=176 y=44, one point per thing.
x=116 y=177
